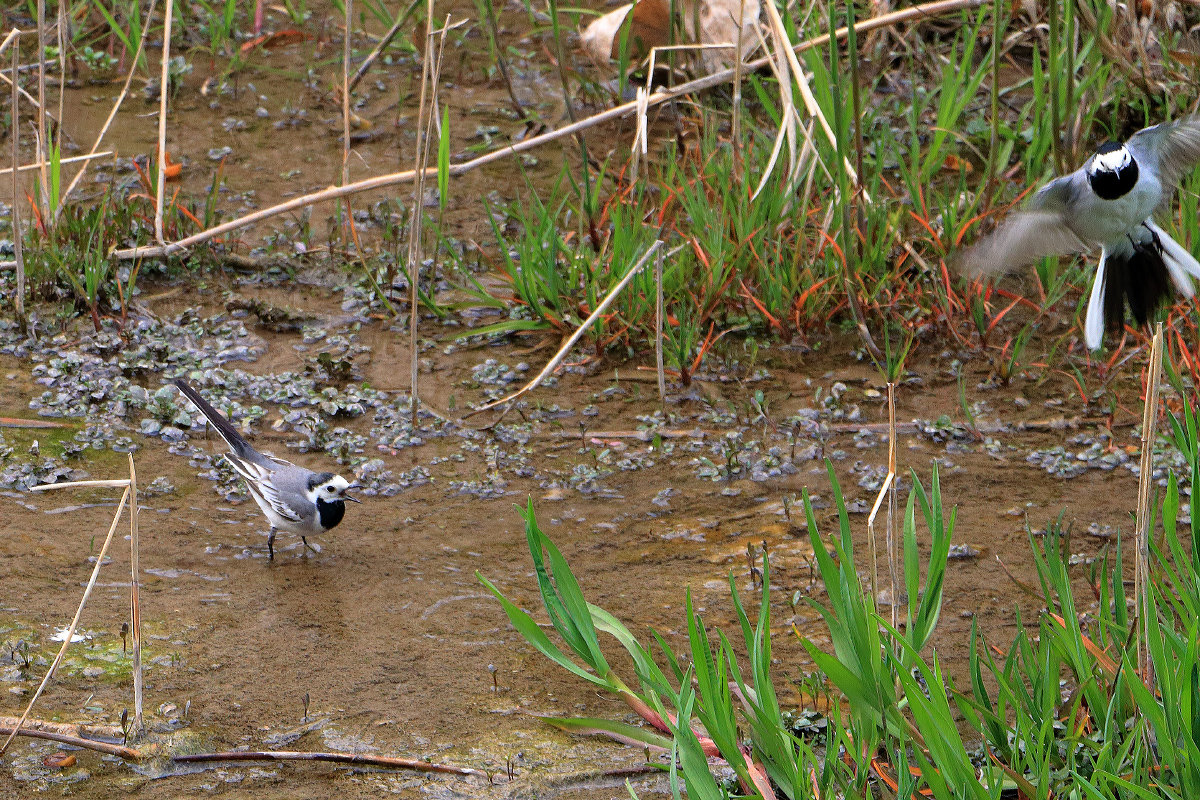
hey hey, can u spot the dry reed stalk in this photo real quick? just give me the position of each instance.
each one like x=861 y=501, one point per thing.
x=576 y=336
x=116 y=106
x=163 y=91
x=414 y=225
x=887 y=490
x=70 y=160
x=70 y=632
x=788 y=116
x=735 y=123
x=1145 y=514
x=346 y=104
x=426 y=118
x=9 y=38
x=871 y=540
x=639 y=149
x=658 y=328
x=810 y=100
x=62 y=67
x=114 y=483
x=923 y=11
x=15 y=132
x=42 y=142
x=891 y=517
x=135 y=608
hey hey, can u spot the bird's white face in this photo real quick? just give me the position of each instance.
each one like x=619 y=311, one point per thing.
x=333 y=489
x=1113 y=161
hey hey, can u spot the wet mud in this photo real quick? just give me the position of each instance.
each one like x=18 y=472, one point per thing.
x=385 y=641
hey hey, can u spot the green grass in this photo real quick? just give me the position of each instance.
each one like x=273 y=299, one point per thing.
x=1014 y=724
x=944 y=131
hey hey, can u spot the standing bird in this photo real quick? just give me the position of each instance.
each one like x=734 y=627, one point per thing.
x=1109 y=201
x=293 y=498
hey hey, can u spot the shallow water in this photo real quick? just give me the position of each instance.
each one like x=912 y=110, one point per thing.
x=385 y=641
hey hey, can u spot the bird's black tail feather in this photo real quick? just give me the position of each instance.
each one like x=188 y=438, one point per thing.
x=1139 y=278
x=237 y=444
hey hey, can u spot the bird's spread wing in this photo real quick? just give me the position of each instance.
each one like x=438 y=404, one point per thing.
x=1021 y=239
x=1173 y=148
x=1026 y=236
x=259 y=482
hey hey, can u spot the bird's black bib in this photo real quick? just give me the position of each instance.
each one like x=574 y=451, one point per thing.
x=330 y=513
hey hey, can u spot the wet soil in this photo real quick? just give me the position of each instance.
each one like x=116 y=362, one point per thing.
x=384 y=641
x=390 y=637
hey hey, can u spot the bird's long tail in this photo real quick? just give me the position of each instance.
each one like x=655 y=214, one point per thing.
x=1138 y=272
x=1181 y=264
x=1093 y=328
x=237 y=444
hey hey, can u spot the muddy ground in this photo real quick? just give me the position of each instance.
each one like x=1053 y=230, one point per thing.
x=384 y=641
x=391 y=637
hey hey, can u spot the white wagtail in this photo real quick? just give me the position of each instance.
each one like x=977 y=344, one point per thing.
x=1109 y=201
x=293 y=498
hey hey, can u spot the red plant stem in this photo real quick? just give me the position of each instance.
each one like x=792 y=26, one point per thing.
x=656 y=721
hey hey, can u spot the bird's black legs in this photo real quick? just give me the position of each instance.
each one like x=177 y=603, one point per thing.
x=308 y=546
x=271 y=545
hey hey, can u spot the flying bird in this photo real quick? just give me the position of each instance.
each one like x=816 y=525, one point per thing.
x=1109 y=201
x=294 y=499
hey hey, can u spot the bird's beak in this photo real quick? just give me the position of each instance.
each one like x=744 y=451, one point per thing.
x=351 y=497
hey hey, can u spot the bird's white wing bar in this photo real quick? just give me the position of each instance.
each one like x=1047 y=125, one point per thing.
x=1093 y=328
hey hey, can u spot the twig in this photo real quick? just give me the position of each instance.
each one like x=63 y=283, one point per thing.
x=339 y=758
x=1145 y=514
x=576 y=336
x=644 y=436
x=70 y=632
x=163 y=91
x=127 y=753
x=700 y=84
